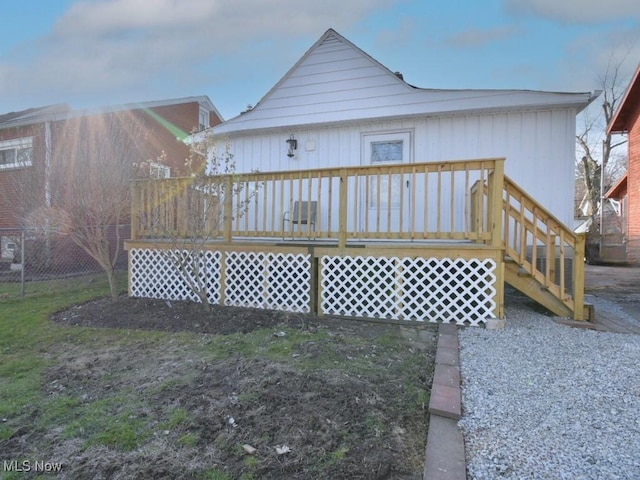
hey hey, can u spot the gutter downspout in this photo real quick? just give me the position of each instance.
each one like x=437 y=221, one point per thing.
x=47 y=186
x=47 y=163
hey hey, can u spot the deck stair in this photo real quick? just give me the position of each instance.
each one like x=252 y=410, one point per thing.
x=524 y=282
x=544 y=259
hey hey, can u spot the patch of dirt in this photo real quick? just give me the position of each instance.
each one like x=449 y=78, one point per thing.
x=316 y=397
x=168 y=316
x=617 y=284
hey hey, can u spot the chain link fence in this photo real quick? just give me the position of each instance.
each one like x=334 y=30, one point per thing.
x=33 y=263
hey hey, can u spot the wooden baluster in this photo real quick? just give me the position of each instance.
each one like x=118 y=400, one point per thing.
x=342 y=217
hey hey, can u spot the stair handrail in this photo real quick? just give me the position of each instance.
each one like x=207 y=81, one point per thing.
x=527 y=223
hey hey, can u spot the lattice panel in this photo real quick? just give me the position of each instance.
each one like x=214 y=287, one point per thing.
x=431 y=289
x=153 y=274
x=275 y=281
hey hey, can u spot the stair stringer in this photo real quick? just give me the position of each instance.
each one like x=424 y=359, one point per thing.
x=530 y=233
x=532 y=288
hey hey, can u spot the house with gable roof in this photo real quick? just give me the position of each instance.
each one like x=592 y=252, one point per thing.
x=626 y=191
x=351 y=156
x=337 y=101
x=30 y=140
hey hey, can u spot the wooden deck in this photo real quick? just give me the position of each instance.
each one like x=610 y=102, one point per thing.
x=387 y=232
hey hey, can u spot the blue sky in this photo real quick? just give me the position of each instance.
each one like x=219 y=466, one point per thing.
x=91 y=53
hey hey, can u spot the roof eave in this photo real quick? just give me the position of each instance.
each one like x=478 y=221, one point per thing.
x=579 y=101
x=619 y=122
x=63 y=112
x=44 y=114
x=200 y=100
x=617 y=190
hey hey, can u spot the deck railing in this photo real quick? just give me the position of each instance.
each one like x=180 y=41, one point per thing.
x=470 y=200
x=544 y=247
x=416 y=201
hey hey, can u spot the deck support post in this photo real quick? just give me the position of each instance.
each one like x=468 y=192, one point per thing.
x=500 y=279
x=578 y=278
x=496 y=187
x=495 y=225
x=314 y=284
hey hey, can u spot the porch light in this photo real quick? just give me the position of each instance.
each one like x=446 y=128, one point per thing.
x=293 y=145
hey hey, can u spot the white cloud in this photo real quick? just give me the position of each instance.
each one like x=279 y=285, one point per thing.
x=96 y=18
x=589 y=57
x=104 y=46
x=576 y=11
x=208 y=25
x=476 y=38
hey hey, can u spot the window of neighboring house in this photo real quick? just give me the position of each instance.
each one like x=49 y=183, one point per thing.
x=16 y=153
x=158 y=170
x=204 y=120
x=8 y=247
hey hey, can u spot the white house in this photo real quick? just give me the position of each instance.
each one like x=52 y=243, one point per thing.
x=394 y=227
x=344 y=108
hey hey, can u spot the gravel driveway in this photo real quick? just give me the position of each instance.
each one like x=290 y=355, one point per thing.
x=547 y=401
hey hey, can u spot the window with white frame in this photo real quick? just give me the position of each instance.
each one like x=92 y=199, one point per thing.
x=204 y=119
x=8 y=247
x=158 y=170
x=16 y=153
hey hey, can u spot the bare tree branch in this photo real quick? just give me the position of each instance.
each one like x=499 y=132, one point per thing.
x=91 y=175
x=201 y=200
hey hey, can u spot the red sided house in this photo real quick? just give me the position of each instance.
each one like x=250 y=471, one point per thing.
x=32 y=140
x=627 y=190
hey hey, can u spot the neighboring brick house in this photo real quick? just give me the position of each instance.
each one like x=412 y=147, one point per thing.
x=627 y=191
x=29 y=140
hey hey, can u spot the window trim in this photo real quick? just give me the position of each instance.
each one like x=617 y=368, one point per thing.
x=159 y=170
x=17 y=144
x=203 y=114
x=9 y=247
x=369 y=139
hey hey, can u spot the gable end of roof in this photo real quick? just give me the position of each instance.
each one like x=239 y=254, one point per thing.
x=630 y=103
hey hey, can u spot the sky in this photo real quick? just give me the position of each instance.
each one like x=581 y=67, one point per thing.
x=91 y=53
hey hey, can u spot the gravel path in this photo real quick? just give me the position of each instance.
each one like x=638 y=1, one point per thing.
x=546 y=401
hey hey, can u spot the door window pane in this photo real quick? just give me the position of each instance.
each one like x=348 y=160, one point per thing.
x=385 y=152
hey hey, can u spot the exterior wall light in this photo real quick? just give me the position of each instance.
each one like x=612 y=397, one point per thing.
x=293 y=145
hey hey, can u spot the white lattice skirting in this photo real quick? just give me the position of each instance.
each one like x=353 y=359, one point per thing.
x=153 y=275
x=278 y=281
x=419 y=289
x=275 y=281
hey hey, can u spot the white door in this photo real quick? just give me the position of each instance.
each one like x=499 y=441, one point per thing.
x=386 y=196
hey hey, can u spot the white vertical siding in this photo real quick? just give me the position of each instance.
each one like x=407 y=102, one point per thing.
x=538 y=147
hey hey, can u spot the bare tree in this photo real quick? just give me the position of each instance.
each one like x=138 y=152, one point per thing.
x=595 y=143
x=90 y=182
x=191 y=213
